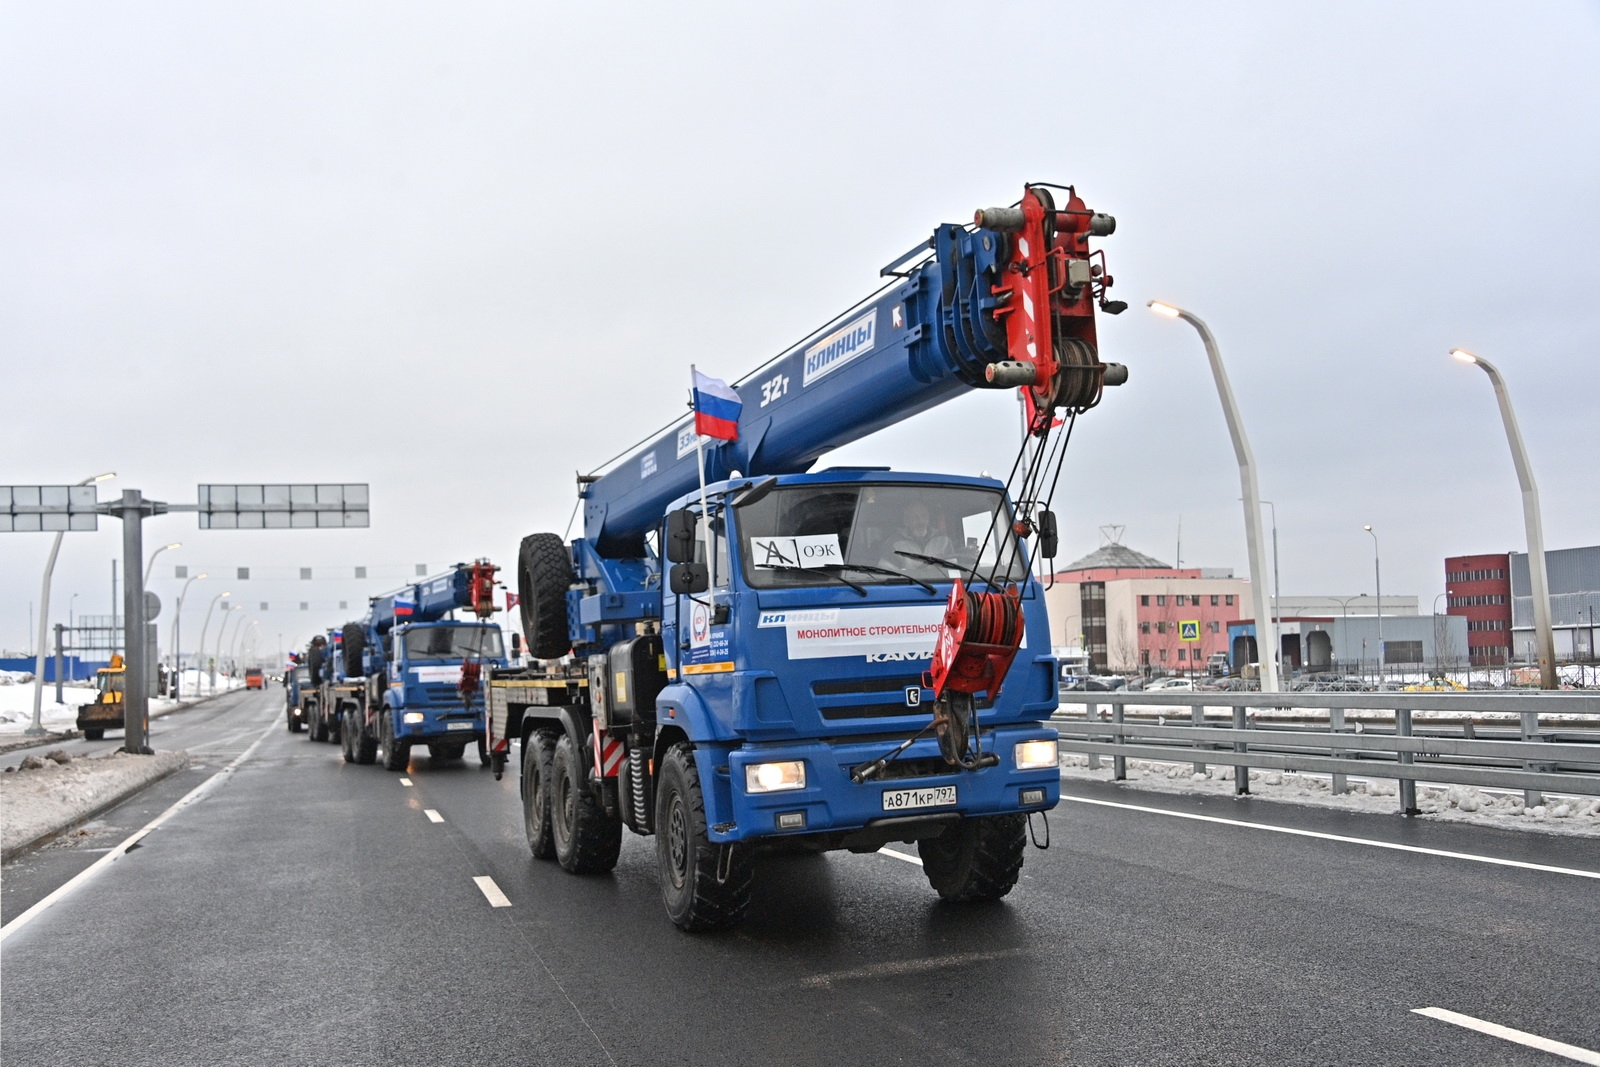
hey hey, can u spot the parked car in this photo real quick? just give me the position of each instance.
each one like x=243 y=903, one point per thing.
x=1169 y=685
x=1094 y=685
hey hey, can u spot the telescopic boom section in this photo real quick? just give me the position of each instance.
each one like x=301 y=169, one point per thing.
x=1005 y=302
x=466 y=586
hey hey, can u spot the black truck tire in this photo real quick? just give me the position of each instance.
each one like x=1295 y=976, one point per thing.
x=347 y=735
x=587 y=840
x=978 y=859
x=544 y=571
x=314 y=659
x=94 y=733
x=690 y=865
x=295 y=725
x=352 y=643
x=483 y=751
x=394 y=753
x=538 y=753
x=316 y=725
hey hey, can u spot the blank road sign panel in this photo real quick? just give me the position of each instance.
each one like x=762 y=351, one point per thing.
x=287 y=506
x=33 y=508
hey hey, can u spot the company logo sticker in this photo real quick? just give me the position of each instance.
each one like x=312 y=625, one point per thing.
x=647 y=464
x=840 y=347
x=686 y=440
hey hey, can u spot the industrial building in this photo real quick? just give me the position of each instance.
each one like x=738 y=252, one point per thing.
x=1494 y=594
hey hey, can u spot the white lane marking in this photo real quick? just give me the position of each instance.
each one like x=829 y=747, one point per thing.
x=1506 y=1033
x=432 y=815
x=899 y=967
x=887 y=851
x=1497 y=861
x=405 y=781
x=491 y=891
x=121 y=850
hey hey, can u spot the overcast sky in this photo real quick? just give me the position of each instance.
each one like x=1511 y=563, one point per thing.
x=461 y=251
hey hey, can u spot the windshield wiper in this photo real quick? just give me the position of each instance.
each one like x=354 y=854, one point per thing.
x=872 y=569
x=830 y=572
x=936 y=561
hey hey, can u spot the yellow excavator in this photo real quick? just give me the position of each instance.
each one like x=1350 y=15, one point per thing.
x=105 y=711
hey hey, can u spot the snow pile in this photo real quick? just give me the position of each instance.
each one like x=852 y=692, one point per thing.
x=1560 y=814
x=16 y=702
x=45 y=795
x=15 y=677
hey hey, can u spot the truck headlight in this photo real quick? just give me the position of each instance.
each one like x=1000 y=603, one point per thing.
x=775 y=777
x=1036 y=755
x=411 y=718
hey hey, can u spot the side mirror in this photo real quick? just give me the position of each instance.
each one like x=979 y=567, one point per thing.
x=689 y=578
x=1049 y=540
x=680 y=536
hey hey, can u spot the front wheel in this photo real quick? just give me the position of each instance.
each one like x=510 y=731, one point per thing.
x=978 y=859
x=538 y=752
x=393 y=752
x=587 y=840
x=93 y=733
x=704 y=886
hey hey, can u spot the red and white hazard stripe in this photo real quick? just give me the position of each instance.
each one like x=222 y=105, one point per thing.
x=608 y=754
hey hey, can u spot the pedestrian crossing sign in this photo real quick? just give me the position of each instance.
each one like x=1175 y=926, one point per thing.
x=1189 y=630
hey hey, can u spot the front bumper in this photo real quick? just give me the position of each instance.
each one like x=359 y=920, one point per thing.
x=437 y=725
x=831 y=802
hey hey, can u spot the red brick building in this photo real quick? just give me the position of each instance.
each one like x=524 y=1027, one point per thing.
x=1479 y=588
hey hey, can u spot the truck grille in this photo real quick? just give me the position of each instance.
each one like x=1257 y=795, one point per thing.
x=834 y=692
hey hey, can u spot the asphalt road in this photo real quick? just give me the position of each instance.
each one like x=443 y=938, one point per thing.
x=309 y=912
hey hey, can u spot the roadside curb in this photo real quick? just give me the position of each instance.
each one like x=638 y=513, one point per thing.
x=162 y=765
x=21 y=743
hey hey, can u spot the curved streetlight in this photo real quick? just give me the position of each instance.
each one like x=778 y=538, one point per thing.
x=177 y=632
x=223 y=629
x=202 y=649
x=1377 y=575
x=1268 y=656
x=238 y=637
x=36 y=728
x=1538 y=579
x=148 y=567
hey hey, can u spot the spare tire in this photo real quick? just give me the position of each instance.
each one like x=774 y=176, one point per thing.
x=353 y=641
x=314 y=661
x=544 y=571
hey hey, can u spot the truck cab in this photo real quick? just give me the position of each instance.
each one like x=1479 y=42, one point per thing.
x=804 y=660
x=105 y=711
x=298 y=693
x=432 y=695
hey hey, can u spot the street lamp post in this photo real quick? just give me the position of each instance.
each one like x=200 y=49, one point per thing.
x=148 y=567
x=223 y=629
x=202 y=648
x=1277 y=591
x=1377 y=575
x=1538 y=579
x=36 y=728
x=1252 y=496
x=177 y=631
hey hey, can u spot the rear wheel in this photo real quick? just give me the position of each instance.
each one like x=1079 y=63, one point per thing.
x=347 y=734
x=544 y=573
x=538 y=752
x=483 y=752
x=978 y=859
x=704 y=886
x=393 y=752
x=316 y=725
x=587 y=840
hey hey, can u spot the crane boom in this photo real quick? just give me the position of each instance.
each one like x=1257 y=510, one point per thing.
x=1006 y=301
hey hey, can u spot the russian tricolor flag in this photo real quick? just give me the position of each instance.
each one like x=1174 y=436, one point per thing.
x=716 y=408
x=403 y=608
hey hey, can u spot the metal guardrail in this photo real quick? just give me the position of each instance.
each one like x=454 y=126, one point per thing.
x=1552 y=739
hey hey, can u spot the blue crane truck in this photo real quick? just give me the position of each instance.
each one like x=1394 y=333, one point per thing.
x=750 y=655
x=416 y=673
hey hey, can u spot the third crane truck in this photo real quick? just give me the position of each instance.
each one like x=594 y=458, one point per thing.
x=826 y=660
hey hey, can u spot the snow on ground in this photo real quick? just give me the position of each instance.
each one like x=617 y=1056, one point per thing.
x=1560 y=814
x=50 y=798
x=16 y=700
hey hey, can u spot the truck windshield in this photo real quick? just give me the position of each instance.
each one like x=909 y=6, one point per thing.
x=453 y=642
x=889 y=530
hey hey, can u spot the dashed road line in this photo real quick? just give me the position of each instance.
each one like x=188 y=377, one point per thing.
x=1506 y=1033
x=887 y=851
x=405 y=781
x=492 y=892
x=432 y=815
x=1296 y=832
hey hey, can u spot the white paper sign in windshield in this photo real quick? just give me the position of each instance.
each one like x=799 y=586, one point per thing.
x=818 y=550
x=450 y=673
